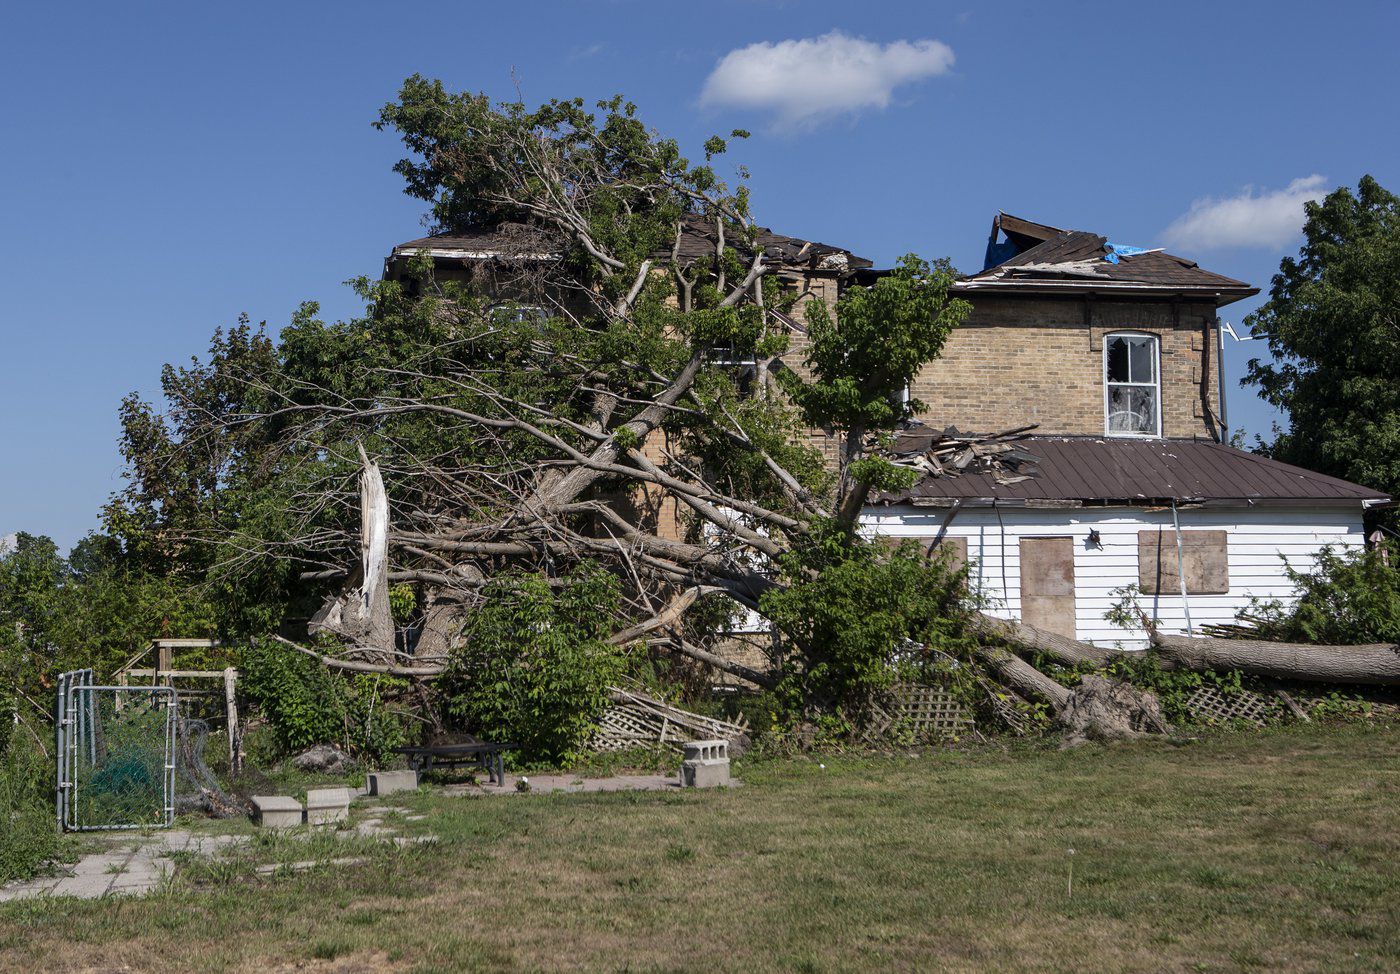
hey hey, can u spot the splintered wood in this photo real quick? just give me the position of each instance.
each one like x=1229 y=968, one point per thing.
x=636 y=720
x=950 y=452
x=919 y=711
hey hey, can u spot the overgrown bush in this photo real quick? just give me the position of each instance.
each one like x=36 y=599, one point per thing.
x=858 y=623
x=535 y=666
x=28 y=836
x=1347 y=598
x=305 y=704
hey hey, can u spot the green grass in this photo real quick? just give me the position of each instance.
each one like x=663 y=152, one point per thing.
x=1274 y=851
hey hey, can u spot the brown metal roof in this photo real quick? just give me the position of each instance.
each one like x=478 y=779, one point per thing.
x=1096 y=471
x=1047 y=258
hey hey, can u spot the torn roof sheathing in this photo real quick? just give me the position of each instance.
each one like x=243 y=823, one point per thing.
x=698 y=238
x=1039 y=257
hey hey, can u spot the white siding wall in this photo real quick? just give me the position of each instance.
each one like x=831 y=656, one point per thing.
x=1258 y=540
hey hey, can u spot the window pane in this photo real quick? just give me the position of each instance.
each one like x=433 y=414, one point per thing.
x=1132 y=409
x=1118 y=360
x=1141 y=365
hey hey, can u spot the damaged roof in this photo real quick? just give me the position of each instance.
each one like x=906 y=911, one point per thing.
x=523 y=242
x=1036 y=257
x=1095 y=471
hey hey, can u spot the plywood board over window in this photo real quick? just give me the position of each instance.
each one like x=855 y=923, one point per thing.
x=955 y=549
x=1205 y=562
x=1047 y=584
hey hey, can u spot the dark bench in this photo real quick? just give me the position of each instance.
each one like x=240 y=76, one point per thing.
x=480 y=754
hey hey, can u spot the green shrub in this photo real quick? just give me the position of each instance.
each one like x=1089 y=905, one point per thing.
x=28 y=836
x=1347 y=598
x=536 y=667
x=855 y=622
x=305 y=704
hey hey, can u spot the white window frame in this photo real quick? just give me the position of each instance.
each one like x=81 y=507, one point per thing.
x=1156 y=383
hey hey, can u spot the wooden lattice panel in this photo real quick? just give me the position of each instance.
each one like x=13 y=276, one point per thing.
x=635 y=720
x=920 y=710
x=1210 y=705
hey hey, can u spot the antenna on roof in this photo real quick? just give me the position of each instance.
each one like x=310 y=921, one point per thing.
x=1237 y=337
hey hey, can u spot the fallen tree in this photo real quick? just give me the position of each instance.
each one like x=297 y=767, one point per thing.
x=569 y=400
x=1377 y=664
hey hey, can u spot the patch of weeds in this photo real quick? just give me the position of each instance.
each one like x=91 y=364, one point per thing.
x=679 y=853
x=329 y=949
x=636 y=884
x=1212 y=877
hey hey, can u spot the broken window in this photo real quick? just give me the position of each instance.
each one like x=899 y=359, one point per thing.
x=1132 y=386
x=508 y=312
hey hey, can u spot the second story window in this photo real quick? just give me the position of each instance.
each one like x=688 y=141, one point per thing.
x=1133 y=387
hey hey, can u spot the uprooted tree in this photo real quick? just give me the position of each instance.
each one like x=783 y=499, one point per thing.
x=566 y=411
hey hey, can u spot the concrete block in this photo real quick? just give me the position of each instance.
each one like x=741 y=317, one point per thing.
x=277 y=811
x=388 y=782
x=706 y=764
x=705 y=774
x=326 y=806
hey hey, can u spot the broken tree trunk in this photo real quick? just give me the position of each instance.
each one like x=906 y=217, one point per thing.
x=1024 y=678
x=361 y=613
x=1098 y=709
x=1377 y=663
x=1022 y=637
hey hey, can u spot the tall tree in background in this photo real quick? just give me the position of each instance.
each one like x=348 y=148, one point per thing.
x=1333 y=325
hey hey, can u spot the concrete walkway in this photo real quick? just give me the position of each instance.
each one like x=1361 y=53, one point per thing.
x=547 y=783
x=130 y=865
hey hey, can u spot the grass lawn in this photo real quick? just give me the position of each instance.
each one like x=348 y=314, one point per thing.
x=1273 y=851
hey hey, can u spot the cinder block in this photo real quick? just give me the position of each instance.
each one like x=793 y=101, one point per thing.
x=326 y=806
x=705 y=774
x=277 y=811
x=389 y=782
x=706 y=764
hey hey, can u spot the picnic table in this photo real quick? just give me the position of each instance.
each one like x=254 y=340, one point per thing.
x=481 y=754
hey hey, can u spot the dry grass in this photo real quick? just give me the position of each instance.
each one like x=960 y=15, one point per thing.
x=1271 y=852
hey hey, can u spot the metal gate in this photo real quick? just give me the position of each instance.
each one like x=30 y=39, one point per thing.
x=116 y=755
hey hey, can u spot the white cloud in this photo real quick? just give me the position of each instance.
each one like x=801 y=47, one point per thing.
x=1250 y=219
x=583 y=53
x=805 y=82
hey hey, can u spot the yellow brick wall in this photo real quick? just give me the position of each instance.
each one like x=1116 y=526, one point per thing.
x=1018 y=361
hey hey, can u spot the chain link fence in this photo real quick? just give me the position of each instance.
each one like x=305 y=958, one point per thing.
x=116 y=755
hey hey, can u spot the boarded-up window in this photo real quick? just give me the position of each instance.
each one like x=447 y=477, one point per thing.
x=1204 y=561
x=1047 y=584
x=956 y=548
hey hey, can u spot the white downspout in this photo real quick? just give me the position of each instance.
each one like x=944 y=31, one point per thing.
x=1220 y=379
x=1180 y=571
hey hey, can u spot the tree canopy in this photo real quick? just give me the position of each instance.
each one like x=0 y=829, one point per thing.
x=1333 y=325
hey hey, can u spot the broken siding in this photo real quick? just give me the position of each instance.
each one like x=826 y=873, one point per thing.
x=1257 y=542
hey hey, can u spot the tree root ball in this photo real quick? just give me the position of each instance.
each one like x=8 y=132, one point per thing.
x=1100 y=709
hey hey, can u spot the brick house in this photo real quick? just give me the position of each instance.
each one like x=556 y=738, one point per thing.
x=1115 y=354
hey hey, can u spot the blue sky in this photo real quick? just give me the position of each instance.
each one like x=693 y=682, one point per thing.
x=168 y=166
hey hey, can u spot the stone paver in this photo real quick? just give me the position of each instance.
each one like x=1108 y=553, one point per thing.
x=302 y=865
